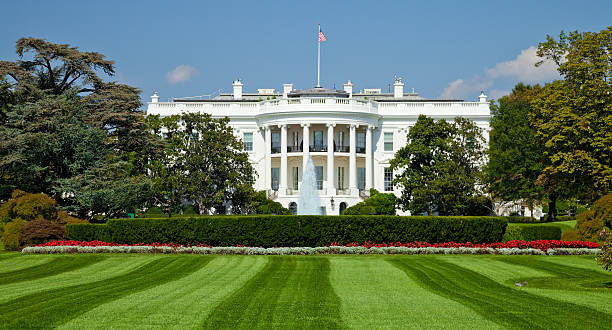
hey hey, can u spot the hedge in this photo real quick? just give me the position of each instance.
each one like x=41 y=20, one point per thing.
x=532 y=233
x=287 y=231
x=88 y=232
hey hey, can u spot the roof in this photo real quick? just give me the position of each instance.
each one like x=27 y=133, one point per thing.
x=318 y=92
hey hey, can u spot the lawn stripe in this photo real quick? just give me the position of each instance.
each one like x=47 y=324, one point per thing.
x=22 y=261
x=290 y=292
x=505 y=305
x=50 y=268
x=181 y=304
x=375 y=294
x=8 y=255
x=114 y=265
x=50 y=308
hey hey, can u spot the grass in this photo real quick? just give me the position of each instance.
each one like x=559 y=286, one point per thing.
x=565 y=225
x=257 y=292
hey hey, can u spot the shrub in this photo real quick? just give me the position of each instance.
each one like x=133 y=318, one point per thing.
x=520 y=219
x=591 y=222
x=532 y=233
x=570 y=235
x=41 y=231
x=377 y=203
x=269 y=231
x=10 y=236
x=605 y=257
x=88 y=232
x=34 y=207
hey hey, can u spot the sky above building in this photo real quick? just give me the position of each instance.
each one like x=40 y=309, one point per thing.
x=442 y=49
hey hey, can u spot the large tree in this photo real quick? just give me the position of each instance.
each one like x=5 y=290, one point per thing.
x=203 y=163
x=439 y=170
x=573 y=116
x=516 y=157
x=67 y=132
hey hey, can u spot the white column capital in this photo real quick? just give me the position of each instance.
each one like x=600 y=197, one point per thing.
x=305 y=124
x=331 y=124
x=353 y=126
x=281 y=125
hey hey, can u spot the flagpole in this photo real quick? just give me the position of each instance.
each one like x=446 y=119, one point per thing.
x=319 y=57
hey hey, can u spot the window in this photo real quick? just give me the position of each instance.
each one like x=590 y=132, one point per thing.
x=275 y=172
x=296 y=176
x=318 y=141
x=361 y=142
x=388 y=141
x=361 y=178
x=248 y=141
x=293 y=208
x=341 y=178
x=276 y=142
x=296 y=136
x=319 y=173
x=388 y=179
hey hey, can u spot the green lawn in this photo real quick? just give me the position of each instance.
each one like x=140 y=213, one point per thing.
x=310 y=292
x=565 y=225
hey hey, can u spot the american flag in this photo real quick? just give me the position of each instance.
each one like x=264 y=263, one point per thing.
x=322 y=36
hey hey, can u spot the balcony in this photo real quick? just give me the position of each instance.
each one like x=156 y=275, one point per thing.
x=294 y=148
x=342 y=148
x=318 y=148
x=360 y=150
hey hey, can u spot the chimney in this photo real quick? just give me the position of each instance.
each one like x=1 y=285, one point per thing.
x=286 y=89
x=482 y=98
x=154 y=98
x=398 y=88
x=237 y=89
x=348 y=87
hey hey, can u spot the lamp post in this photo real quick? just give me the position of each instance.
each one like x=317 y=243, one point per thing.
x=332 y=203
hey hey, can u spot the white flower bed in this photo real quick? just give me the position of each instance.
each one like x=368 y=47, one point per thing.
x=303 y=250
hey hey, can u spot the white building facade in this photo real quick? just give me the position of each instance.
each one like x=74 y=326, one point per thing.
x=351 y=137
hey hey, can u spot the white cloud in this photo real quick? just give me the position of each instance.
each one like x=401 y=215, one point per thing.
x=523 y=68
x=520 y=69
x=181 y=73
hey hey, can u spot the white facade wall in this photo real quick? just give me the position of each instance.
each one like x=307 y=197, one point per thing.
x=390 y=116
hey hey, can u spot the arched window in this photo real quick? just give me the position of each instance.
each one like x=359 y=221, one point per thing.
x=342 y=207
x=293 y=208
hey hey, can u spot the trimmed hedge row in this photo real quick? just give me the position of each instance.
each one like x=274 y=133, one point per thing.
x=287 y=231
x=532 y=233
x=88 y=232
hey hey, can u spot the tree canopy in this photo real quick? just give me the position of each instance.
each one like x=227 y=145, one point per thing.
x=203 y=162
x=573 y=116
x=68 y=133
x=378 y=204
x=440 y=167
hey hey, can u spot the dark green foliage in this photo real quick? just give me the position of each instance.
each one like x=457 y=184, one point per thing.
x=202 y=162
x=41 y=231
x=519 y=219
x=260 y=204
x=88 y=232
x=529 y=232
x=515 y=155
x=376 y=204
x=592 y=221
x=439 y=169
x=308 y=230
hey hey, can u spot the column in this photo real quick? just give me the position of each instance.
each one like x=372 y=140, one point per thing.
x=331 y=189
x=305 y=145
x=282 y=186
x=368 y=159
x=353 y=161
x=268 y=153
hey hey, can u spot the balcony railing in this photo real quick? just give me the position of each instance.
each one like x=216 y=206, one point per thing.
x=342 y=148
x=360 y=150
x=318 y=148
x=294 y=148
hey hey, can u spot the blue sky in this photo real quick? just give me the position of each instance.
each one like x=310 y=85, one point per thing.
x=443 y=49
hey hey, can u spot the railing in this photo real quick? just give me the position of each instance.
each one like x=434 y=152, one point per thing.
x=343 y=192
x=342 y=149
x=318 y=148
x=294 y=149
x=361 y=150
x=276 y=150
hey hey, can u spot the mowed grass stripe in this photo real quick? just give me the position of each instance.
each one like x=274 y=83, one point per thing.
x=377 y=295
x=8 y=255
x=22 y=261
x=505 y=305
x=51 y=267
x=181 y=304
x=48 y=309
x=291 y=292
x=113 y=266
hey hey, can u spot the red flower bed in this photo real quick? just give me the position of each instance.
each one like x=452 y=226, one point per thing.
x=543 y=245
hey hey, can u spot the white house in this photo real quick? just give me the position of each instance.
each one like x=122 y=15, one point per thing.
x=351 y=137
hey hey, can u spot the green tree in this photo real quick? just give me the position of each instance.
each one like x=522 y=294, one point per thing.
x=516 y=156
x=67 y=133
x=439 y=170
x=260 y=204
x=377 y=203
x=203 y=162
x=573 y=116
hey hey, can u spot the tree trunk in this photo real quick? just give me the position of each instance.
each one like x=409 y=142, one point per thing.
x=552 y=208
